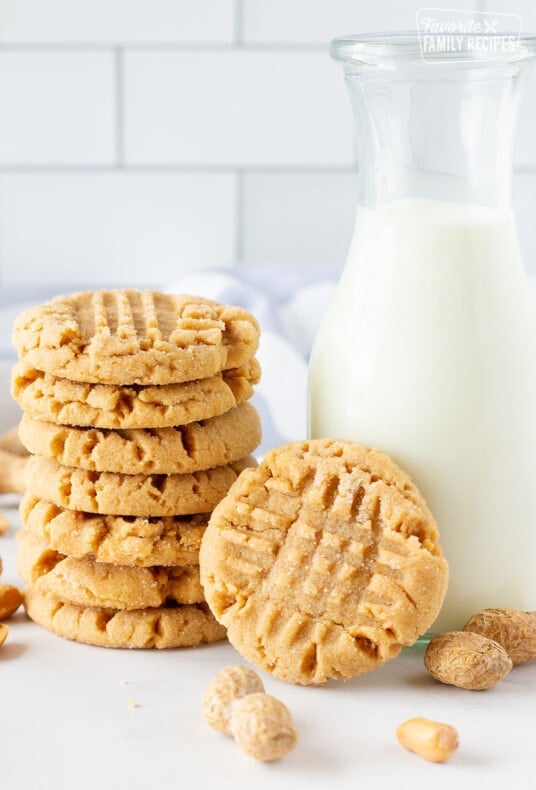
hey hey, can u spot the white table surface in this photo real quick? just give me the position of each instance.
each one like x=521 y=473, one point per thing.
x=67 y=721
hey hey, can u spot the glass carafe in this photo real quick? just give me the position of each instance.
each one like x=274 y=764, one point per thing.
x=428 y=348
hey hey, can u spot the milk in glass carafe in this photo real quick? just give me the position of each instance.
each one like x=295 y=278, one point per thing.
x=428 y=348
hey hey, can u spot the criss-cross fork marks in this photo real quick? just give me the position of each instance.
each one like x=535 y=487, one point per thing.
x=314 y=550
x=147 y=318
x=330 y=551
x=316 y=571
x=126 y=337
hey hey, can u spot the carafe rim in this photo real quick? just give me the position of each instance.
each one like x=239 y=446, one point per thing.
x=390 y=50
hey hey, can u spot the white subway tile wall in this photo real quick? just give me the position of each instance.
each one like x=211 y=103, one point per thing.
x=70 y=227
x=142 y=139
x=117 y=21
x=318 y=21
x=56 y=107
x=301 y=219
x=236 y=108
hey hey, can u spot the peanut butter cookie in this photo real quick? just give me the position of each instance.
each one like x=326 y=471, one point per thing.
x=185 y=448
x=124 y=540
x=47 y=397
x=323 y=562
x=89 y=583
x=111 y=493
x=132 y=337
x=163 y=627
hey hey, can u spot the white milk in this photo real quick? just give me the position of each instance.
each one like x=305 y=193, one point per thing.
x=428 y=351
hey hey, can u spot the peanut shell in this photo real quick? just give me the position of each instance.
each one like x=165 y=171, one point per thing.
x=467 y=660
x=514 y=630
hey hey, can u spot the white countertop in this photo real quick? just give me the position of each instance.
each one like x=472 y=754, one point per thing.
x=67 y=720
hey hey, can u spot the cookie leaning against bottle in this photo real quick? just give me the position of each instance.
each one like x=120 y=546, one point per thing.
x=323 y=562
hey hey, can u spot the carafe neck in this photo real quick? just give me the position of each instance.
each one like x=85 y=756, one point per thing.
x=433 y=131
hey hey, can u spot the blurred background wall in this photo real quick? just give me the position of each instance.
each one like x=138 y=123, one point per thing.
x=141 y=139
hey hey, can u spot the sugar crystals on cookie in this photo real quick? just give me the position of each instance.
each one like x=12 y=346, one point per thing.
x=137 y=421
x=323 y=562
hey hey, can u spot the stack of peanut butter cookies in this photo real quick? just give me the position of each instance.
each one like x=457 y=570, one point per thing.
x=136 y=413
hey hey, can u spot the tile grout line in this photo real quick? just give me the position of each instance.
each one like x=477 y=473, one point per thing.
x=238 y=24
x=155 y=46
x=265 y=169
x=232 y=167
x=525 y=170
x=239 y=217
x=119 y=116
x=38 y=168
